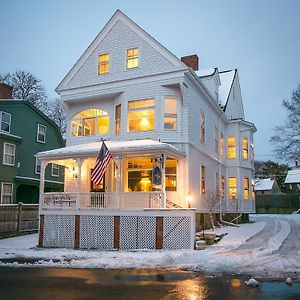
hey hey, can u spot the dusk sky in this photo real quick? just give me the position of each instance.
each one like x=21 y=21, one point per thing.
x=259 y=38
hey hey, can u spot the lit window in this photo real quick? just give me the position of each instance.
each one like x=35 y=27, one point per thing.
x=222 y=187
x=170 y=117
x=37 y=166
x=202 y=127
x=170 y=174
x=132 y=58
x=246 y=188
x=245 y=148
x=139 y=174
x=141 y=115
x=216 y=140
x=5 y=121
x=222 y=144
x=232 y=188
x=9 y=154
x=103 y=64
x=41 y=133
x=252 y=189
x=231 y=147
x=203 y=180
x=90 y=122
x=6 y=193
x=118 y=119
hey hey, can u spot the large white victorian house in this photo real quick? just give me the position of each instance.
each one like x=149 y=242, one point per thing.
x=154 y=111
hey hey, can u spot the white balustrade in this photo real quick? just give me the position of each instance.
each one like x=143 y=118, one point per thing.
x=95 y=200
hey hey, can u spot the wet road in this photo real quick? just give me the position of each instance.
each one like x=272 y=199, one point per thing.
x=73 y=284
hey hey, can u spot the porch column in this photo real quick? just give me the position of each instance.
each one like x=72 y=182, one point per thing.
x=42 y=182
x=79 y=162
x=163 y=181
x=118 y=172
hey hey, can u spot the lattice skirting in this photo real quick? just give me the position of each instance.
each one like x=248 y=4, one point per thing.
x=116 y=232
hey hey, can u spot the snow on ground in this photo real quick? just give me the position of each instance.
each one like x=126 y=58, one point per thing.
x=267 y=248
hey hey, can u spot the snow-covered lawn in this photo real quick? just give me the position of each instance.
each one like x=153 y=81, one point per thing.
x=267 y=248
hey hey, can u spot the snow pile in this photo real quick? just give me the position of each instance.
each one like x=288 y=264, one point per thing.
x=269 y=247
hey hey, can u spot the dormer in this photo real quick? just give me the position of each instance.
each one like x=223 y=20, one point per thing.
x=210 y=78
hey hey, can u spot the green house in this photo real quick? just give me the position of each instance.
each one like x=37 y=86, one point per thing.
x=24 y=131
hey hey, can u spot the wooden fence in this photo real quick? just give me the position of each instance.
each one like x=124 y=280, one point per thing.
x=16 y=219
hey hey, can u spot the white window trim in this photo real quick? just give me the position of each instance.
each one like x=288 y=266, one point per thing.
x=126 y=58
x=14 y=155
x=1 y=120
x=52 y=168
x=37 y=134
x=36 y=164
x=12 y=191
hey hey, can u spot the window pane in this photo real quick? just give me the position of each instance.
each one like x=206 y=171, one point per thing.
x=142 y=120
x=245 y=148
x=147 y=103
x=103 y=125
x=118 y=119
x=89 y=126
x=103 y=66
x=132 y=58
x=170 y=174
x=232 y=187
x=170 y=118
x=231 y=147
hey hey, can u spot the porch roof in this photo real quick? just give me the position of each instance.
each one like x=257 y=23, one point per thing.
x=133 y=147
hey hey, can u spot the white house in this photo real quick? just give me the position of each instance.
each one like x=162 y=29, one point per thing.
x=154 y=111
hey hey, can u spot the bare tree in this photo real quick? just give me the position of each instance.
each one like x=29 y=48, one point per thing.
x=58 y=115
x=287 y=136
x=211 y=202
x=27 y=87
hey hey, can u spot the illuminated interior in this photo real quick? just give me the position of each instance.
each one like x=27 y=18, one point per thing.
x=118 y=119
x=252 y=189
x=171 y=175
x=203 y=188
x=232 y=188
x=231 y=147
x=141 y=115
x=90 y=122
x=103 y=64
x=170 y=118
x=132 y=58
x=246 y=188
x=245 y=148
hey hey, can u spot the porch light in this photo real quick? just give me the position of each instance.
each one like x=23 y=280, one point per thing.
x=74 y=172
x=189 y=200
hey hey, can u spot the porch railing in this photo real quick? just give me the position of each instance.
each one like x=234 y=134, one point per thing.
x=108 y=200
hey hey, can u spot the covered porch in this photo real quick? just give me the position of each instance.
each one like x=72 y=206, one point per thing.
x=142 y=174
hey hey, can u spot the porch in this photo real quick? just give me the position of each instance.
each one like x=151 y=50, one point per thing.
x=143 y=174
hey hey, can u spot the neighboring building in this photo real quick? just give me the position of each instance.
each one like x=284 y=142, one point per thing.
x=266 y=186
x=153 y=110
x=292 y=181
x=24 y=131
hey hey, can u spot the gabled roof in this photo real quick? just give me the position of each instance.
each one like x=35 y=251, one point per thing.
x=264 y=184
x=293 y=176
x=226 y=78
x=120 y=16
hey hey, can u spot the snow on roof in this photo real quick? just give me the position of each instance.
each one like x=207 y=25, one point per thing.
x=205 y=72
x=113 y=147
x=293 y=176
x=264 y=184
x=226 y=79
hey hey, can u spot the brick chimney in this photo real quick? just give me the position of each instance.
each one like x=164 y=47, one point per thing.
x=191 y=61
x=5 y=91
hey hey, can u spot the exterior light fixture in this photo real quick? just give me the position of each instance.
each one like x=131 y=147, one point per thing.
x=74 y=172
x=189 y=200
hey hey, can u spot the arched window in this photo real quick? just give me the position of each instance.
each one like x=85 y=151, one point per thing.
x=92 y=121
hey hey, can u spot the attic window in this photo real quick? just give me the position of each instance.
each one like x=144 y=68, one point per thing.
x=103 y=64
x=132 y=58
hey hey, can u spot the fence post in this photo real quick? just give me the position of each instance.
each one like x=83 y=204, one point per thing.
x=19 y=217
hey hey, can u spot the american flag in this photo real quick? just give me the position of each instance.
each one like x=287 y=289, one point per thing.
x=101 y=163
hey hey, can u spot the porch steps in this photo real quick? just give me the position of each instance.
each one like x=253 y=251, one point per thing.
x=171 y=204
